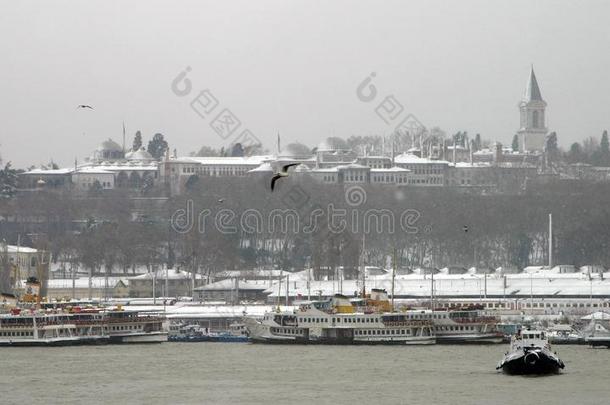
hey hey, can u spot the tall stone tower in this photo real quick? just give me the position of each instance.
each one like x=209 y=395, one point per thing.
x=532 y=129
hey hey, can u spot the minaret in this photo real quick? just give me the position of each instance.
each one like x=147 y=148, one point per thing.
x=532 y=128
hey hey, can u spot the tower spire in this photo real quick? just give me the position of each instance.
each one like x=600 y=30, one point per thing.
x=532 y=91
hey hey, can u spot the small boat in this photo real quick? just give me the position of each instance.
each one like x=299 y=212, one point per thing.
x=196 y=333
x=564 y=335
x=530 y=353
x=597 y=332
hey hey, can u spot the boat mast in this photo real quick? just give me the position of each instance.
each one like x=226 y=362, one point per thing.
x=279 y=289
x=363 y=269
x=550 y=241
x=431 y=289
x=308 y=284
x=393 y=279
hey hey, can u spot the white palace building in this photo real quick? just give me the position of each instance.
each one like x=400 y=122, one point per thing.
x=110 y=166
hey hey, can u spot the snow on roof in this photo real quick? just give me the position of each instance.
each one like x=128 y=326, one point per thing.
x=171 y=274
x=391 y=170
x=468 y=165
x=325 y=170
x=83 y=282
x=352 y=166
x=17 y=249
x=128 y=166
x=264 y=168
x=597 y=315
x=49 y=171
x=410 y=158
x=228 y=160
x=92 y=170
x=230 y=284
x=140 y=154
x=250 y=273
x=418 y=285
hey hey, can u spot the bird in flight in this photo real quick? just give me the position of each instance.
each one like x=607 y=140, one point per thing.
x=84 y=106
x=465 y=228
x=282 y=173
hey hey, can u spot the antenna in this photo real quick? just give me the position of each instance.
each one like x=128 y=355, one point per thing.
x=550 y=241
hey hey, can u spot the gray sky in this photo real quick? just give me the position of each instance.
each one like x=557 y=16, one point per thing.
x=292 y=67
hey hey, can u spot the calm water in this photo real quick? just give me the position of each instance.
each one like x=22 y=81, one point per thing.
x=227 y=373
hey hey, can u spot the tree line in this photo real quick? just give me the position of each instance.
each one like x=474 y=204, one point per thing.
x=115 y=232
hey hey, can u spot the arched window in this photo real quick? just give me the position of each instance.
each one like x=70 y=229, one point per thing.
x=535 y=119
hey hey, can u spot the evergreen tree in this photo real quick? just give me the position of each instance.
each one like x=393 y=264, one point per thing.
x=603 y=158
x=237 y=150
x=604 y=145
x=551 y=143
x=477 y=142
x=157 y=146
x=515 y=144
x=8 y=181
x=137 y=141
x=575 y=154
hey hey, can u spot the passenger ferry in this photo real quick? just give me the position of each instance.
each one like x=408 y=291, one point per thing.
x=135 y=327
x=464 y=325
x=56 y=329
x=339 y=321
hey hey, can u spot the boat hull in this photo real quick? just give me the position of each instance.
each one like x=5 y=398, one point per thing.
x=598 y=341
x=208 y=338
x=478 y=338
x=73 y=341
x=149 y=337
x=531 y=362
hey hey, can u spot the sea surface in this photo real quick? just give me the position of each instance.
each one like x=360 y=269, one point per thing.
x=231 y=373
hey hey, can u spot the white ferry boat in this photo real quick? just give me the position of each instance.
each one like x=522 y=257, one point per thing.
x=337 y=321
x=32 y=329
x=467 y=325
x=135 y=327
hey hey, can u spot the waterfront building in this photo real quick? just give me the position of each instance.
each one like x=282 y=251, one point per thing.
x=233 y=291
x=164 y=282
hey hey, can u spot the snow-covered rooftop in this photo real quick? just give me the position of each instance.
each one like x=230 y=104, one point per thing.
x=411 y=158
x=17 y=249
x=228 y=160
x=50 y=171
x=170 y=274
x=463 y=285
x=390 y=170
x=230 y=284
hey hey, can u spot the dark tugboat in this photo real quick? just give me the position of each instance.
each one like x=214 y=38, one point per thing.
x=530 y=353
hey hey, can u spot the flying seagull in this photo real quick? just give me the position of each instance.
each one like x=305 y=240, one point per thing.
x=465 y=228
x=84 y=106
x=282 y=173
